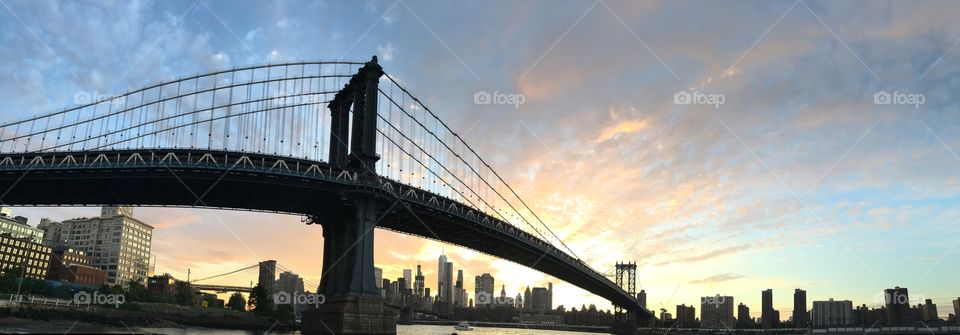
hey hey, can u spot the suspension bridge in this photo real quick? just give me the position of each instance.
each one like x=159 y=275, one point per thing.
x=265 y=271
x=342 y=143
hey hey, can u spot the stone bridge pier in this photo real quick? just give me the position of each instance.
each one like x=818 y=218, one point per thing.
x=354 y=304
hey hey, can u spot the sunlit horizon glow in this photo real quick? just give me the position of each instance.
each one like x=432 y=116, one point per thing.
x=798 y=180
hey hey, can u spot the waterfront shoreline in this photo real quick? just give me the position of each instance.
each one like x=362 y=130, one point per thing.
x=126 y=319
x=481 y=324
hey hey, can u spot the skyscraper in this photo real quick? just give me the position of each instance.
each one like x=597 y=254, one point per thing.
x=460 y=294
x=549 y=295
x=407 y=279
x=527 y=299
x=642 y=298
x=441 y=276
x=448 y=279
x=766 y=309
x=418 y=283
x=800 y=308
x=898 y=306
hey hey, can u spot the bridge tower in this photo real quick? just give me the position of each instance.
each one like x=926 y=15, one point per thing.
x=353 y=303
x=625 y=321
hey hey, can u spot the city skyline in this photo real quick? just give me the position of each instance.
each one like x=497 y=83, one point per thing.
x=825 y=191
x=784 y=305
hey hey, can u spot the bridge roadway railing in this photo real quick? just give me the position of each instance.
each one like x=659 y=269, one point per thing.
x=287 y=166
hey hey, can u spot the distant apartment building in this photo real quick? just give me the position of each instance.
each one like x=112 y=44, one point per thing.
x=23 y=256
x=832 y=313
x=767 y=318
x=289 y=282
x=642 y=298
x=541 y=298
x=897 y=302
x=686 y=316
x=800 y=316
x=665 y=317
x=117 y=242
x=956 y=308
x=930 y=311
x=716 y=312
x=743 y=316
x=73 y=265
x=18 y=227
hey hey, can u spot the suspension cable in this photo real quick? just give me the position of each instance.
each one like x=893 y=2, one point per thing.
x=484 y=163
x=224 y=274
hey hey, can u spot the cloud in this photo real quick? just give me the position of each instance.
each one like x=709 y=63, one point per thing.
x=614 y=167
x=387 y=52
x=707 y=255
x=625 y=127
x=718 y=278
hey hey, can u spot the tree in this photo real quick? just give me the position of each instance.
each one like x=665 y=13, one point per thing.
x=285 y=313
x=237 y=302
x=184 y=294
x=8 y=281
x=259 y=302
x=137 y=292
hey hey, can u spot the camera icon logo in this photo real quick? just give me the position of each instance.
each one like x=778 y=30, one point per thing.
x=282 y=298
x=882 y=98
x=483 y=298
x=482 y=98
x=82 y=298
x=82 y=98
x=681 y=98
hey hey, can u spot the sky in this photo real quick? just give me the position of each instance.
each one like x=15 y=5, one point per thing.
x=795 y=176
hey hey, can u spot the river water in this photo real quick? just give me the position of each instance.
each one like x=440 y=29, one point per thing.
x=401 y=330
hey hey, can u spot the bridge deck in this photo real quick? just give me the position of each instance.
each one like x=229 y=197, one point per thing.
x=232 y=180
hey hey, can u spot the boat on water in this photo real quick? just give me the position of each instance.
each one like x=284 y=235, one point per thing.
x=463 y=325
